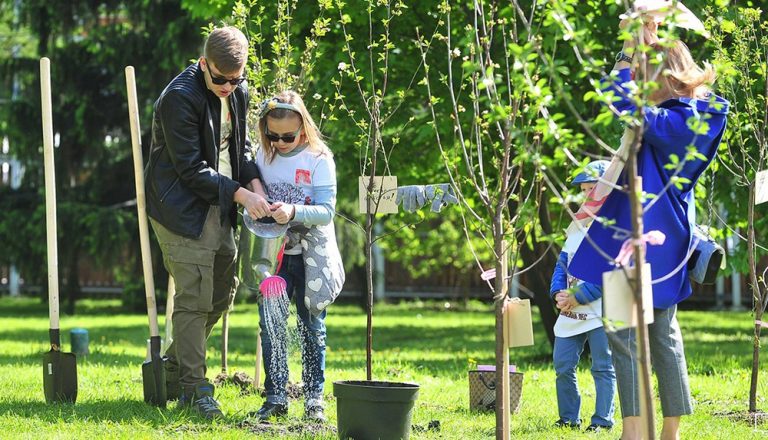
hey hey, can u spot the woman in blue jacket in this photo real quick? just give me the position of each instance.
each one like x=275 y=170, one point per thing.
x=683 y=113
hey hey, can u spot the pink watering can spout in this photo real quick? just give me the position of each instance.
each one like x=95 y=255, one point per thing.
x=272 y=287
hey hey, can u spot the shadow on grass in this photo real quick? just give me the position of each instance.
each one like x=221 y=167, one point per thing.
x=27 y=307
x=117 y=411
x=404 y=335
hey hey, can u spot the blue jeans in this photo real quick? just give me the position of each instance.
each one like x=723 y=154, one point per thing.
x=312 y=337
x=566 y=357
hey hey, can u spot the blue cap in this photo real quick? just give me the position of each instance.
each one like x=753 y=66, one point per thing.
x=591 y=173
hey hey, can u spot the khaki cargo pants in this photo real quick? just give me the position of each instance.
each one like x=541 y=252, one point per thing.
x=204 y=272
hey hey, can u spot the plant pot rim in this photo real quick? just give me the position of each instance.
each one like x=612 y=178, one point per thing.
x=377 y=384
x=376 y=391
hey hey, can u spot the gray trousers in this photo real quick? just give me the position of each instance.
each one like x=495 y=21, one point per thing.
x=204 y=272
x=667 y=358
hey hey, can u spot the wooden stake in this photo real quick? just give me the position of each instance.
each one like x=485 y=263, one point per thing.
x=502 y=349
x=643 y=348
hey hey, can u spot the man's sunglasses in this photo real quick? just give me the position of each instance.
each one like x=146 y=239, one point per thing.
x=285 y=138
x=220 y=80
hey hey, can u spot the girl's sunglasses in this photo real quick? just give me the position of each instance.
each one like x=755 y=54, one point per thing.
x=285 y=138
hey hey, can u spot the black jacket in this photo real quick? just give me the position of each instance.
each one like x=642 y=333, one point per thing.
x=181 y=176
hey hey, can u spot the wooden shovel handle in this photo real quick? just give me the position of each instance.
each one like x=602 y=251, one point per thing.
x=141 y=205
x=169 y=311
x=50 y=193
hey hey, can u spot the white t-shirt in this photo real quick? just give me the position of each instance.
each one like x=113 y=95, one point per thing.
x=584 y=317
x=291 y=178
x=580 y=319
x=225 y=159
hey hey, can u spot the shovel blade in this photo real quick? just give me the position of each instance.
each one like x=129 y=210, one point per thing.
x=153 y=377
x=59 y=377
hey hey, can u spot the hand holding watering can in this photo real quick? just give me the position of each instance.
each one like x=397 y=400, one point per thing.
x=254 y=204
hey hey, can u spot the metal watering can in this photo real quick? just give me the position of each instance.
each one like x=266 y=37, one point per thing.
x=260 y=244
x=259 y=249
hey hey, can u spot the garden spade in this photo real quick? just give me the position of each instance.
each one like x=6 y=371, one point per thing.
x=152 y=370
x=59 y=369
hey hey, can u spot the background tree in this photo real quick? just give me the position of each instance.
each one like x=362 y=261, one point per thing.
x=492 y=155
x=88 y=43
x=741 y=39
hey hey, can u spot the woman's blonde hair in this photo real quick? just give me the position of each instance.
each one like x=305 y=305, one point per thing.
x=310 y=130
x=682 y=75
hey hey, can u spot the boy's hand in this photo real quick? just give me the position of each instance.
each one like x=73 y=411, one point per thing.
x=255 y=205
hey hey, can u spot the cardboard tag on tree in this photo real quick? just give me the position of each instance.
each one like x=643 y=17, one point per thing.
x=761 y=187
x=518 y=326
x=618 y=297
x=384 y=194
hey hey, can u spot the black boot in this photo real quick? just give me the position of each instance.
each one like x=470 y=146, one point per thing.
x=269 y=410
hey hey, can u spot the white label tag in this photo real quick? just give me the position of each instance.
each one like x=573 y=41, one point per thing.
x=383 y=194
x=50 y=368
x=619 y=300
x=761 y=187
x=518 y=324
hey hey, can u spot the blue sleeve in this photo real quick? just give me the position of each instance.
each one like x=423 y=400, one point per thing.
x=618 y=84
x=585 y=292
x=666 y=129
x=323 y=209
x=560 y=275
x=660 y=123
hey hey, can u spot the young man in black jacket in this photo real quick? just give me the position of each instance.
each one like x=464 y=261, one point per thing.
x=197 y=171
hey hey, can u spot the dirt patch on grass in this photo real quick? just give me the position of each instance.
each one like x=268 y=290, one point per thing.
x=239 y=379
x=280 y=428
x=244 y=382
x=750 y=418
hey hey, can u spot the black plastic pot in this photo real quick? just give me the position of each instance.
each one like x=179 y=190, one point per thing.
x=373 y=410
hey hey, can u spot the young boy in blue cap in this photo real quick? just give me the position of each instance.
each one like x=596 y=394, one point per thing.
x=580 y=320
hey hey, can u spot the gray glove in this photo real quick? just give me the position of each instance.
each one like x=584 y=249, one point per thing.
x=413 y=197
x=440 y=194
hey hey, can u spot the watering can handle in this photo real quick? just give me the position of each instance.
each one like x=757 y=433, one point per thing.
x=265 y=220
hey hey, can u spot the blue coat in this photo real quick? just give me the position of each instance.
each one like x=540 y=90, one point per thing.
x=666 y=133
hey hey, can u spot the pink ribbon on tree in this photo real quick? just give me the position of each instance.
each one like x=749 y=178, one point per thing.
x=628 y=248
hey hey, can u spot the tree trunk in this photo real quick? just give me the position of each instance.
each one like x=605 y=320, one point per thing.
x=369 y=291
x=647 y=413
x=757 y=300
x=369 y=224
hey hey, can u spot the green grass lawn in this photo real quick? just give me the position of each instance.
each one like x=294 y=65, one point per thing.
x=414 y=341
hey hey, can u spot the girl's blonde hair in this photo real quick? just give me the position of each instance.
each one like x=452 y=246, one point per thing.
x=681 y=74
x=310 y=130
